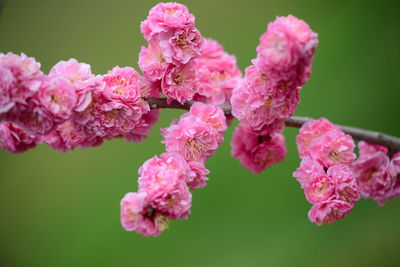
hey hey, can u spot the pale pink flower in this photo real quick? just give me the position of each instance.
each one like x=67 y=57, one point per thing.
x=123 y=85
x=139 y=216
x=310 y=132
x=308 y=170
x=179 y=82
x=286 y=50
x=372 y=171
x=181 y=45
x=192 y=138
x=329 y=211
x=81 y=78
x=213 y=115
x=197 y=177
x=217 y=74
x=15 y=140
x=165 y=17
x=59 y=98
x=152 y=62
x=164 y=181
x=20 y=79
x=257 y=152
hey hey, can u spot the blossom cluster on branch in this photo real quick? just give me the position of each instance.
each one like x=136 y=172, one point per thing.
x=71 y=107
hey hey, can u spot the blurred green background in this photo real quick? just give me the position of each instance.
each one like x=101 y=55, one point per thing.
x=63 y=209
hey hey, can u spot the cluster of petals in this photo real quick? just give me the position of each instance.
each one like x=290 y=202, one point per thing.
x=325 y=171
x=173 y=43
x=286 y=51
x=256 y=152
x=197 y=134
x=70 y=106
x=165 y=182
x=325 y=142
x=13 y=139
x=217 y=74
x=333 y=191
x=377 y=175
x=270 y=90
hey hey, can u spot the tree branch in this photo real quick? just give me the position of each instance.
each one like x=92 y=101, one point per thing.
x=391 y=142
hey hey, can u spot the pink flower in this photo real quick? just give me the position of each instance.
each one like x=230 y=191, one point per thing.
x=286 y=50
x=213 y=115
x=15 y=140
x=372 y=171
x=319 y=189
x=81 y=79
x=264 y=111
x=152 y=62
x=257 y=152
x=193 y=139
x=178 y=82
x=181 y=45
x=310 y=132
x=308 y=170
x=164 y=17
x=164 y=181
x=67 y=137
x=197 y=178
x=329 y=212
x=59 y=98
x=138 y=215
x=217 y=74
x=20 y=79
x=144 y=126
x=346 y=185
x=395 y=172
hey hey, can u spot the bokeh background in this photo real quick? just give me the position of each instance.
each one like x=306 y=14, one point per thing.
x=63 y=209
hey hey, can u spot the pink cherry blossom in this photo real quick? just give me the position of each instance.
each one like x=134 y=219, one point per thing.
x=319 y=189
x=59 y=98
x=257 y=152
x=164 y=181
x=179 y=82
x=81 y=78
x=286 y=50
x=165 y=17
x=213 y=115
x=310 y=132
x=15 y=140
x=346 y=185
x=192 y=138
x=372 y=171
x=138 y=215
x=152 y=62
x=217 y=74
x=329 y=211
x=66 y=137
x=308 y=170
x=197 y=177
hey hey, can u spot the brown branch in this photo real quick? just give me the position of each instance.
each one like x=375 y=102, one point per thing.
x=391 y=142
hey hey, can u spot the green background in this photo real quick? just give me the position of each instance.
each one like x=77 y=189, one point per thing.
x=63 y=209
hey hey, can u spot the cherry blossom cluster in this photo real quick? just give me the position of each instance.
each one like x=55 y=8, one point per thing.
x=378 y=175
x=70 y=106
x=325 y=172
x=270 y=92
x=185 y=65
x=165 y=182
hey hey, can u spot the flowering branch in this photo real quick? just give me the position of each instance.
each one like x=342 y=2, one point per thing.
x=391 y=142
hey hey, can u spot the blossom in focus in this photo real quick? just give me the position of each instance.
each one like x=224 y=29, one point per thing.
x=197 y=177
x=329 y=212
x=213 y=115
x=163 y=179
x=257 y=152
x=138 y=215
x=152 y=62
x=13 y=139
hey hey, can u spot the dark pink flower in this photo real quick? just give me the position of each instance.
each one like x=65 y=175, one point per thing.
x=329 y=212
x=15 y=140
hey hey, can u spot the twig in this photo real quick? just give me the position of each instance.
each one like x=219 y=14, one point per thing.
x=391 y=142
